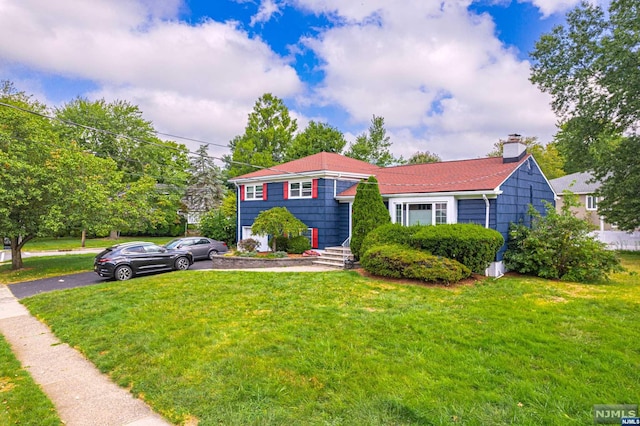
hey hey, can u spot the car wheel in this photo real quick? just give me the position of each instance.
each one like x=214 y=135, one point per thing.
x=212 y=253
x=123 y=273
x=182 y=263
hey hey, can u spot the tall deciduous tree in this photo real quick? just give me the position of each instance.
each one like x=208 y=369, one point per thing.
x=591 y=69
x=266 y=139
x=549 y=159
x=316 y=137
x=118 y=131
x=369 y=212
x=46 y=180
x=424 y=157
x=373 y=146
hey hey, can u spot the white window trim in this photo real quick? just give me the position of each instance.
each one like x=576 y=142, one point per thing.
x=452 y=207
x=594 y=203
x=301 y=183
x=254 y=196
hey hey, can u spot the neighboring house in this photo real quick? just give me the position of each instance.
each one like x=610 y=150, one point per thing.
x=320 y=189
x=584 y=186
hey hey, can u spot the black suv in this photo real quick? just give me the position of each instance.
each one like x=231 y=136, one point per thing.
x=124 y=261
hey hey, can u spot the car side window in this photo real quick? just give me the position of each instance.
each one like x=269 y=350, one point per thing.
x=153 y=249
x=134 y=250
x=203 y=241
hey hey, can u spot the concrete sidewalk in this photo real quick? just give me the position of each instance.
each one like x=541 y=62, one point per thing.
x=81 y=394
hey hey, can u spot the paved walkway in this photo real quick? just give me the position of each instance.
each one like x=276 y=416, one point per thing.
x=81 y=394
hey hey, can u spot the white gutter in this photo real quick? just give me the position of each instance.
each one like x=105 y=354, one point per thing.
x=486 y=213
x=238 y=227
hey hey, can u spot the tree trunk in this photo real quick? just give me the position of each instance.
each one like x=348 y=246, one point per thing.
x=83 y=238
x=114 y=234
x=16 y=253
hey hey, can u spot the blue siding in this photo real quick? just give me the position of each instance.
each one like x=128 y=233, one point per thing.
x=325 y=213
x=474 y=211
x=525 y=186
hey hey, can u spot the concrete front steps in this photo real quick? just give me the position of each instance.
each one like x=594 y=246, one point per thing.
x=336 y=257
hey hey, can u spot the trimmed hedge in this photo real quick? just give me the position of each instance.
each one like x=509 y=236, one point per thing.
x=397 y=261
x=391 y=233
x=472 y=245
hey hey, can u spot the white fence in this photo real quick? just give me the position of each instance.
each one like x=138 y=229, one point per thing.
x=619 y=240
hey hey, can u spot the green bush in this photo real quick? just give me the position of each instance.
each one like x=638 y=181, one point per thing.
x=397 y=261
x=214 y=224
x=472 y=245
x=391 y=233
x=298 y=245
x=282 y=243
x=559 y=246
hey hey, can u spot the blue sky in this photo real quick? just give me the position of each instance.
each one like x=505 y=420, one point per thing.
x=450 y=77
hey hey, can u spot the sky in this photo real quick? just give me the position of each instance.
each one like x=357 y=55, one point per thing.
x=450 y=77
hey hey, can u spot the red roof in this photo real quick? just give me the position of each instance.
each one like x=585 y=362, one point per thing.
x=448 y=176
x=323 y=161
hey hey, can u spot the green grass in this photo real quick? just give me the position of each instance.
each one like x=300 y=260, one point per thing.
x=22 y=402
x=71 y=243
x=45 y=267
x=240 y=348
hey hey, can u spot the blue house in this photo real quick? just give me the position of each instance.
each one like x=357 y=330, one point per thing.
x=320 y=189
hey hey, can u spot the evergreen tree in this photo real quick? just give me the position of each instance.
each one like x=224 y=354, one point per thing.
x=373 y=146
x=369 y=212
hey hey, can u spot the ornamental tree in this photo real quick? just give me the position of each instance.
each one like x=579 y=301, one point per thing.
x=277 y=222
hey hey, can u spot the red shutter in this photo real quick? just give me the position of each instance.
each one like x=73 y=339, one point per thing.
x=241 y=192
x=314 y=238
x=314 y=188
x=285 y=190
x=264 y=191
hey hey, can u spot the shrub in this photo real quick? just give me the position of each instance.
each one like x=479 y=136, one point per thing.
x=277 y=254
x=391 y=233
x=369 y=212
x=559 y=246
x=472 y=245
x=397 y=261
x=282 y=243
x=248 y=245
x=214 y=224
x=298 y=245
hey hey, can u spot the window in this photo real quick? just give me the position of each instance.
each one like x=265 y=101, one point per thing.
x=300 y=189
x=312 y=235
x=399 y=213
x=592 y=202
x=441 y=213
x=253 y=192
x=421 y=214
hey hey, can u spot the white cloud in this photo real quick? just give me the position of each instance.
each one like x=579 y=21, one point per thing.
x=435 y=72
x=266 y=10
x=185 y=77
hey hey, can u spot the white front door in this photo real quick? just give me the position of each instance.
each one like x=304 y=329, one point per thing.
x=263 y=239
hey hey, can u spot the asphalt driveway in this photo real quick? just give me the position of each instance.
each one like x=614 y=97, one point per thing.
x=30 y=288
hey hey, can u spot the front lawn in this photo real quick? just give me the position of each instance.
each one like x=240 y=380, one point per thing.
x=336 y=348
x=47 y=266
x=22 y=401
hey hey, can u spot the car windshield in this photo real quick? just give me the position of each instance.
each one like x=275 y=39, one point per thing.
x=172 y=244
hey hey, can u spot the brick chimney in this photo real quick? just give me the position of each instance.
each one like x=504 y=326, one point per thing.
x=513 y=149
